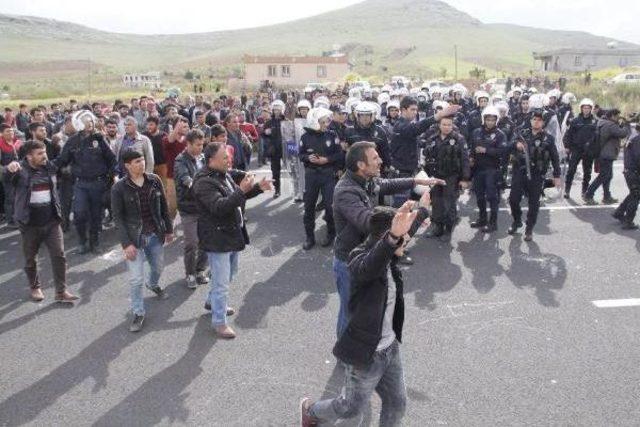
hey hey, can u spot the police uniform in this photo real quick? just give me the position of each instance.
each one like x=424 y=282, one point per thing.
x=626 y=212
x=374 y=133
x=486 y=171
x=92 y=162
x=529 y=172
x=319 y=178
x=580 y=140
x=447 y=158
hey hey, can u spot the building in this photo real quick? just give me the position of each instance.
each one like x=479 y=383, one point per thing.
x=578 y=60
x=147 y=80
x=294 y=70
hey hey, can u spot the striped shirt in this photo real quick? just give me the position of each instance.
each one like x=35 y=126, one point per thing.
x=41 y=201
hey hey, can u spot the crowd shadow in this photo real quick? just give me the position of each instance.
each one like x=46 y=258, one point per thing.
x=93 y=361
x=481 y=256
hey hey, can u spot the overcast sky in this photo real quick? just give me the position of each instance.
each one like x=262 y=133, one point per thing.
x=613 y=18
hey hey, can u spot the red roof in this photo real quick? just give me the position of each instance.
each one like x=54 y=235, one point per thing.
x=251 y=59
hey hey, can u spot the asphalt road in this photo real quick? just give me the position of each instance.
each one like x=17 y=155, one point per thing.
x=498 y=331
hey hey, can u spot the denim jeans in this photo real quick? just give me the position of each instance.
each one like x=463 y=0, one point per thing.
x=223 y=267
x=343 y=283
x=384 y=375
x=152 y=251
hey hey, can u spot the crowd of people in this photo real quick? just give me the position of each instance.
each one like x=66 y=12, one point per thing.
x=378 y=163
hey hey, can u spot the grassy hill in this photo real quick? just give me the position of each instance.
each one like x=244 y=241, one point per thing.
x=382 y=37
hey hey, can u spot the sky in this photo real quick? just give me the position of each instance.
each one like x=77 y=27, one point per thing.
x=613 y=18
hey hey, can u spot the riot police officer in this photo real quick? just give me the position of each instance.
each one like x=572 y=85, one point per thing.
x=320 y=151
x=533 y=150
x=626 y=212
x=488 y=144
x=579 y=141
x=447 y=158
x=365 y=129
x=474 y=119
x=92 y=163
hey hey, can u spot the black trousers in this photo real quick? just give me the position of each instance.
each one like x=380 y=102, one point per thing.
x=444 y=201
x=532 y=188
x=629 y=205
x=576 y=156
x=275 y=172
x=318 y=181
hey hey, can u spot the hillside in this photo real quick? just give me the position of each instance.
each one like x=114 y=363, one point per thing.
x=381 y=37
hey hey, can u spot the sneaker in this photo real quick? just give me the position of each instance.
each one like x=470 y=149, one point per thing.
x=230 y=310
x=609 y=201
x=12 y=225
x=37 y=295
x=589 y=200
x=628 y=225
x=225 y=332
x=306 y=420
x=136 y=323
x=308 y=244
x=191 y=282
x=66 y=297
x=528 y=236
x=405 y=260
x=202 y=278
x=159 y=292
x=514 y=227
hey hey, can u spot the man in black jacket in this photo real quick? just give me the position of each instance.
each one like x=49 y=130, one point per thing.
x=220 y=196
x=186 y=165
x=38 y=212
x=142 y=219
x=369 y=347
x=580 y=143
x=626 y=212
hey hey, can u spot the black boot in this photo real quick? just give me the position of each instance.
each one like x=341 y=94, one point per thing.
x=490 y=228
x=309 y=243
x=514 y=227
x=436 y=230
x=328 y=241
x=481 y=222
x=618 y=215
x=629 y=225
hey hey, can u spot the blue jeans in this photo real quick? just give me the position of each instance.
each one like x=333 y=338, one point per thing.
x=384 y=375
x=343 y=283
x=152 y=251
x=223 y=267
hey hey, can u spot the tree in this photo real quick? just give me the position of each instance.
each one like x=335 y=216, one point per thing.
x=188 y=75
x=443 y=72
x=478 y=73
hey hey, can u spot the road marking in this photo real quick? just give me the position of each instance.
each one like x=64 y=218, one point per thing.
x=565 y=208
x=612 y=303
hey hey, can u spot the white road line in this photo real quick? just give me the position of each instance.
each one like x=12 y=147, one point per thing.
x=612 y=303
x=565 y=208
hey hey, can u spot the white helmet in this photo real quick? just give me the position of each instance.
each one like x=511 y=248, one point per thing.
x=386 y=88
x=554 y=93
x=502 y=107
x=587 y=101
x=303 y=103
x=480 y=94
x=440 y=104
x=79 y=117
x=366 y=107
x=538 y=101
x=568 y=98
x=533 y=90
x=414 y=90
x=497 y=97
x=383 y=97
x=423 y=94
x=459 y=88
x=394 y=103
x=321 y=101
x=517 y=89
x=278 y=105
x=490 y=111
x=437 y=91
x=403 y=91
x=315 y=115
x=355 y=93
x=351 y=103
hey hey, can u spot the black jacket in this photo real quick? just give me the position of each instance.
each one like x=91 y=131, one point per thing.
x=581 y=133
x=404 y=145
x=447 y=157
x=125 y=207
x=632 y=155
x=324 y=144
x=494 y=141
x=353 y=202
x=22 y=182
x=184 y=170
x=368 y=267
x=221 y=225
x=374 y=133
x=273 y=142
x=89 y=155
x=610 y=134
x=542 y=153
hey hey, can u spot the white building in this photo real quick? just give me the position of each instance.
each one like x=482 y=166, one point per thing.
x=146 y=80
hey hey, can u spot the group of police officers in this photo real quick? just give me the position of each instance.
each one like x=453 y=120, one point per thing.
x=483 y=142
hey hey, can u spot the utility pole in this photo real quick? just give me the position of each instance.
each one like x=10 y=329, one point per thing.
x=455 y=59
x=89 y=76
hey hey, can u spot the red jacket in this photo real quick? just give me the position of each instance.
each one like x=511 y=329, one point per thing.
x=171 y=151
x=9 y=152
x=250 y=130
